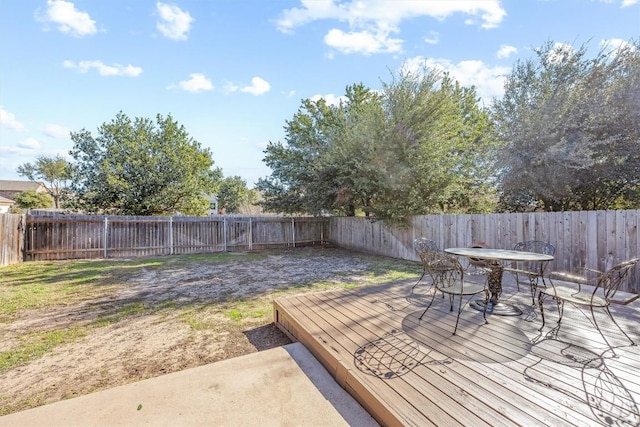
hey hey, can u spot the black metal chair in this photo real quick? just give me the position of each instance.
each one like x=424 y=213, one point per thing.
x=533 y=270
x=448 y=277
x=605 y=285
x=425 y=249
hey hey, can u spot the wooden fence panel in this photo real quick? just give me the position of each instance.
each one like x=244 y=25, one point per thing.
x=593 y=239
x=12 y=229
x=86 y=236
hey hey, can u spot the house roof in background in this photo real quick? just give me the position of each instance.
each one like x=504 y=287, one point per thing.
x=8 y=185
x=5 y=201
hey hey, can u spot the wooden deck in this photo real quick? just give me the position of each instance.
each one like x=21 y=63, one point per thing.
x=406 y=371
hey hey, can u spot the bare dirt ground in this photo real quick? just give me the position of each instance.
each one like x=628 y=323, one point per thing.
x=169 y=319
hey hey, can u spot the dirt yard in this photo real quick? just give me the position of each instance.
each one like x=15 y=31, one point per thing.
x=172 y=318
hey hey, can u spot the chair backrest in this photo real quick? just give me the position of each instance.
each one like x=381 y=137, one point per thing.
x=445 y=270
x=538 y=247
x=478 y=262
x=610 y=282
x=425 y=245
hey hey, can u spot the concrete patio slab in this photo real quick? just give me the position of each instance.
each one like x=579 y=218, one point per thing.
x=284 y=386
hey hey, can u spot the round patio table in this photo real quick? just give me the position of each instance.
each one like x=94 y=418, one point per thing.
x=494 y=276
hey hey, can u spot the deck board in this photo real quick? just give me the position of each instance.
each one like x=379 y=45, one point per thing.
x=407 y=371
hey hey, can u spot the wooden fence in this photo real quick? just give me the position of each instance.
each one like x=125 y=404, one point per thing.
x=594 y=239
x=11 y=238
x=65 y=237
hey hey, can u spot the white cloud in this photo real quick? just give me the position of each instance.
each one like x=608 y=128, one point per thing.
x=258 y=87
x=434 y=38
x=488 y=81
x=506 y=51
x=231 y=87
x=30 y=144
x=8 y=120
x=174 y=23
x=56 y=131
x=625 y=3
x=103 y=69
x=197 y=83
x=363 y=42
x=616 y=45
x=370 y=24
x=67 y=18
x=560 y=52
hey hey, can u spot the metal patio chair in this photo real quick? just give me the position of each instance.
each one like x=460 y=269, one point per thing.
x=478 y=266
x=448 y=277
x=605 y=285
x=533 y=270
x=425 y=249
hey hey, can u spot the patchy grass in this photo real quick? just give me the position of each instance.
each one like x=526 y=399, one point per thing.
x=131 y=309
x=43 y=284
x=40 y=285
x=36 y=344
x=49 y=305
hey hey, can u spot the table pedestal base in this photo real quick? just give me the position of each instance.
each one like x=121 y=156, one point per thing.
x=499 y=309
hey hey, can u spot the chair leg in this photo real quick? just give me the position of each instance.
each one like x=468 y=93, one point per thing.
x=540 y=304
x=458 y=317
x=533 y=282
x=560 y=304
x=433 y=297
x=421 y=277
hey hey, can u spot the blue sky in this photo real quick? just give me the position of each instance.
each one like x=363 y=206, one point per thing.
x=233 y=71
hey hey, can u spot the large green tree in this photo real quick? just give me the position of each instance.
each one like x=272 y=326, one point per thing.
x=436 y=151
x=420 y=145
x=138 y=167
x=31 y=199
x=570 y=129
x=54 y=171
x=294 y=163
x=233 y=193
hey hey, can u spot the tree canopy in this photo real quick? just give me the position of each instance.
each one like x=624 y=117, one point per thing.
x=233 y=194
x=31 y=199
x=138 y=167
x=570 y=129
x=420 y=145
x=54 y=171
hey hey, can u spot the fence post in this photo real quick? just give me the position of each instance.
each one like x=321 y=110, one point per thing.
x=170 y=235
x=224 y=231
x=250 y=235
x=293 y=231
x=106 y=235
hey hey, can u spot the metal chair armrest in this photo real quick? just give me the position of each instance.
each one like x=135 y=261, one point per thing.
x=569 y=278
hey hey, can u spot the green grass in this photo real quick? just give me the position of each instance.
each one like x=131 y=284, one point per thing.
x=42 y=285
x=34 y=345
x=249 y=310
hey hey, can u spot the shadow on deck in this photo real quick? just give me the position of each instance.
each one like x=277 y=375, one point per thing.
x=407 y=371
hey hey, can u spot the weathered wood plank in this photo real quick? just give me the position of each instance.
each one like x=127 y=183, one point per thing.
x=593 y=239
x=504 y=372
